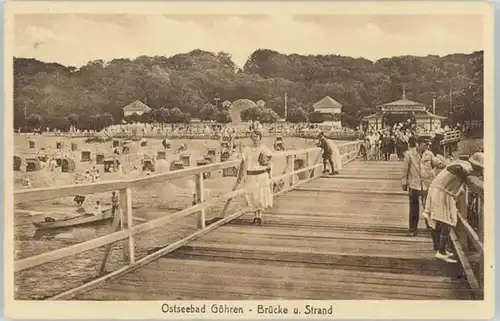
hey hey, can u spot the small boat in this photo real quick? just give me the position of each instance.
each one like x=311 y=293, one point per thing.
x=83 y=219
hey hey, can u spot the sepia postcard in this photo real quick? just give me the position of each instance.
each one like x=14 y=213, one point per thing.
x=249 y=160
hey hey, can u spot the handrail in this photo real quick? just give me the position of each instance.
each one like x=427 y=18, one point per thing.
x=338 y=135
x=451 y=136
x=37 y=194
x=467 y=237
x=349 y=153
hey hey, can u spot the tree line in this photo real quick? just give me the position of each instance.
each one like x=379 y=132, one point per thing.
x=192 y=85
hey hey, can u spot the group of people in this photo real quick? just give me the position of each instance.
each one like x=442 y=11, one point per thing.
x=381 y=144
x=433 y=184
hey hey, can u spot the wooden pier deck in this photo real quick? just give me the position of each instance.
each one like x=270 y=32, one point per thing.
x=341 y=237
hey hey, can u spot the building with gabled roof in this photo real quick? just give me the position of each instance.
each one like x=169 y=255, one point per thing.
x=331 y=111
x=136 y=107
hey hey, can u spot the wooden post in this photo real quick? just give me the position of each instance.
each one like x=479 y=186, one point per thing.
x=480 y=213
x=461 y=231
x=107 y=253
x=130 y=220
x=294 y=180
x=480 y=229
x=200 y=199
x=123 y=221
x=315 y=172
x=290 y=165
x=308 y=164
x=126 y=222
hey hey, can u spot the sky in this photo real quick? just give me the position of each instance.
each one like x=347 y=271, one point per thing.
x=75 y=39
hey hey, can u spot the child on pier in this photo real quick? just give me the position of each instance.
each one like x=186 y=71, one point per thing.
x=441 y=208
x=114 y=203
x=256 y=170
x=98 y=208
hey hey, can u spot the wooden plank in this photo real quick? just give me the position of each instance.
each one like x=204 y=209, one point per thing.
x=291 y=218
x=172 y=265
x=353 y=191
x=305 y=196
x=464 y=261
x=355 y=184
x=364 y=178
x=323 y=259
x=325 y=200
x=327 y=235
x=381 y=252
x=472 y=235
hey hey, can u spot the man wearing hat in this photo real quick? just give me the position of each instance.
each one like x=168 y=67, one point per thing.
x=417 y=174
x=440 y=207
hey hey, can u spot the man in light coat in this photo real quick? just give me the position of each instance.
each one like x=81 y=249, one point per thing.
x=417 y=174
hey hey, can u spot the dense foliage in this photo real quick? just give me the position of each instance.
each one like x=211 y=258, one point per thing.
x=185 y=86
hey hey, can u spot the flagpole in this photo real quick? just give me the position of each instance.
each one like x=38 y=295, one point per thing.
x=451 y=98
x=286 y=106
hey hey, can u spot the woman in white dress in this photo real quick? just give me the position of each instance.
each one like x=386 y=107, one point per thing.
x=256 y=173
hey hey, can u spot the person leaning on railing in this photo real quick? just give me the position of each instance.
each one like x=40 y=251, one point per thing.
x=327 y=154
x=441 y=208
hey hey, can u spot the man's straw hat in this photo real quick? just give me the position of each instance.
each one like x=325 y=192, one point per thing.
x=477 y=159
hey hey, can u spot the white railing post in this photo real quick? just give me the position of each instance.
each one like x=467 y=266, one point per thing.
x=290 y=165
x=130 y=220
x=480 y=219
x=461 y=230
x=199 y=190
x=126 y=219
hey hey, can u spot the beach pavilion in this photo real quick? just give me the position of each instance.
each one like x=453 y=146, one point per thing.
x=400 y=111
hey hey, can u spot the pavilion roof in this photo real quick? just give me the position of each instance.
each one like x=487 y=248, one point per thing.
x=403 y=102
x=327 y=102
x=137 y=105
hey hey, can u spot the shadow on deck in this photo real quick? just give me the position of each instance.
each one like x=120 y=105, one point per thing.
x=341 y=237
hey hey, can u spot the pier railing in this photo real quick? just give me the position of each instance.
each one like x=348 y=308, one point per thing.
x=301 y=166
x=467 y=238
x=450 y=141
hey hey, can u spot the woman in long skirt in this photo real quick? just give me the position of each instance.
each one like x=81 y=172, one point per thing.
x=440 y=207
x=257 y=171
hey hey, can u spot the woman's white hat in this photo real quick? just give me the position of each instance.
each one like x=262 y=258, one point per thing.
x=477 y=159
